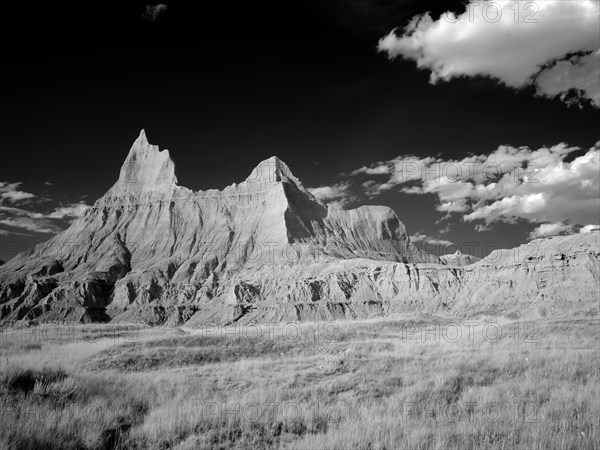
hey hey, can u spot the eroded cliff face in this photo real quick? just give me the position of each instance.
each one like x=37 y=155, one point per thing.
x=545 y=277
x=149 y=243
x=266 y=249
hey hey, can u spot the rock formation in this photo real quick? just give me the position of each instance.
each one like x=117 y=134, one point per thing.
x=153 y=251
x=458 y=259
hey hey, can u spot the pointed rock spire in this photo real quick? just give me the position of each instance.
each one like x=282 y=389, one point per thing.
x=146 y=168
x=272 y=170
x=142 y=137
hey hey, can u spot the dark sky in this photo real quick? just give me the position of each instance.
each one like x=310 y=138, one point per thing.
x=228 y=86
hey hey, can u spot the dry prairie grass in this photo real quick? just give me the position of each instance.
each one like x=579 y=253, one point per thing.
x=376 y=384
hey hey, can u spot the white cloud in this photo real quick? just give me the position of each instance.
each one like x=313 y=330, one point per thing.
x=26 y=223
x=37 y=222
x=5 y=233
x=380 y=168
x=153 y=12
x=14 y=215
x=508 y=184
x=402 y=170
x=559 y=228
x=556 y=192
x=589 y=228
x=581 y=73
x=550 y=229
x=11 y=192
x=22 y=219
x=511 y=41
x=335 y=196
x=13 y=233
x=17 y=196
x=454 y=206
x=71 y=211
x=419 y=238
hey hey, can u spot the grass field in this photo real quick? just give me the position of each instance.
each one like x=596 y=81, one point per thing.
x=384 y=383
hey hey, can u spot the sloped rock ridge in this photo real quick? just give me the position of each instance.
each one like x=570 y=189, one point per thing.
x=265 y=249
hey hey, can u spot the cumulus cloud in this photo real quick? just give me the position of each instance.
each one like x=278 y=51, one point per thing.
x=336 y=196
x=554 y=192
x=518 y=43
x=578 y=76
x=71 y=211
x=589 y=228
x=509 y=184
x=380 y=168
x=402 y=170
x=11 y=192
x=21 y=220
x=26 y=223
x=550 y=229
x=560 y=228
x=153 y=12
x=419 y=238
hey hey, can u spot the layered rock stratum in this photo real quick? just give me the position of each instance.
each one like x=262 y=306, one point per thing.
x=267 y=250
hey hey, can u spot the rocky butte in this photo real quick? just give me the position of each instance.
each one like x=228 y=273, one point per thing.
x=150 y=250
